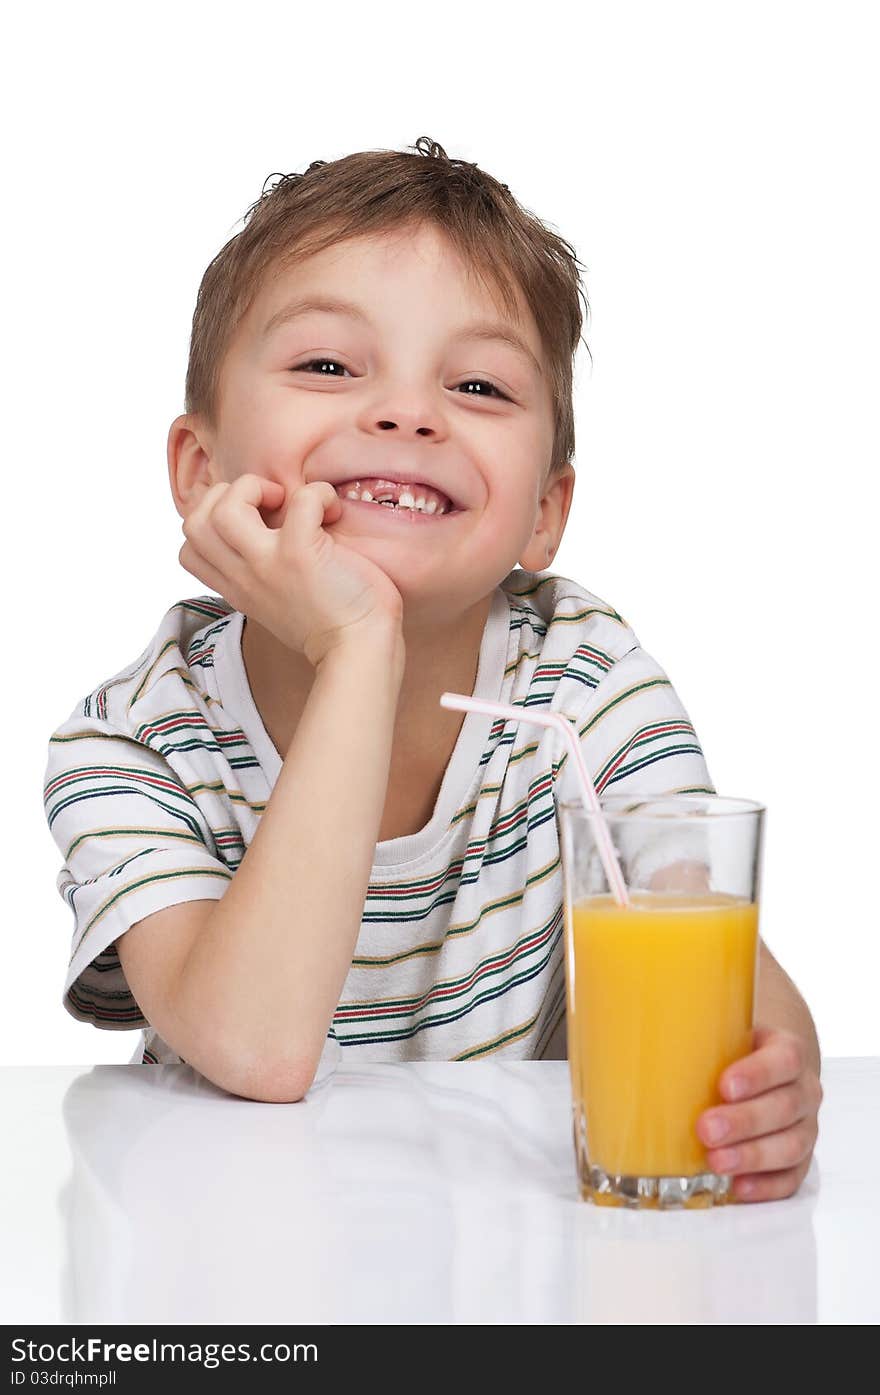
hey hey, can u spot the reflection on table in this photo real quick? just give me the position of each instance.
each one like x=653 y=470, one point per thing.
x=420 y=1193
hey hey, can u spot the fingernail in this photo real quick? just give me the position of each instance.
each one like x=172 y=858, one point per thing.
x=715 y=1129
x=735 y=1087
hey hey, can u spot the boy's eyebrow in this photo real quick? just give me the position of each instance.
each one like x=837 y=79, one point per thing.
x=333 y=305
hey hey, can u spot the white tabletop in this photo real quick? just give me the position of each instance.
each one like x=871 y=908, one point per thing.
x=431 y=1192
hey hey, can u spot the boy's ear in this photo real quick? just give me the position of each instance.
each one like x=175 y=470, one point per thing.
x=552 y=517
x=190 y=471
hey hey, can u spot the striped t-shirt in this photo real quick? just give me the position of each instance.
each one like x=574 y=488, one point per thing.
x=156 y=782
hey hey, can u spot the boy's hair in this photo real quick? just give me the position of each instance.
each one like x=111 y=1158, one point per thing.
x=375 y=191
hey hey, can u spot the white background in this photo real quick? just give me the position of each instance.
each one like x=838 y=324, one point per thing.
x=715 y=169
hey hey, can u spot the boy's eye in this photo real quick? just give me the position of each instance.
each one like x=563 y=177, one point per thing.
x=483 y=383
x=304 y=367
x=324 y=363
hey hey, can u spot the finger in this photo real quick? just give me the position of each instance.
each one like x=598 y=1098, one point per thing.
x=767 y=1113
x=237 y=519
x=274 y=493
x=201 y=511
x=774 y=1151
x=780 y=1057
x=309 y=507
x=200 y=531
x=770 y=1186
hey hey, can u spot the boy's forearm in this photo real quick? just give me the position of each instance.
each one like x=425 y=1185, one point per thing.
x=263 y=979
x=779 y=1004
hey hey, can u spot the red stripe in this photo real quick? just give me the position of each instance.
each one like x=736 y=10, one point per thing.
x=643 y=736
x=155 y=780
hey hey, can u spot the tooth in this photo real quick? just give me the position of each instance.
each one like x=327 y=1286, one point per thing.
x=407 y=500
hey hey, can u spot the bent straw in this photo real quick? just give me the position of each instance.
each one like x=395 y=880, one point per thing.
x=588 y=793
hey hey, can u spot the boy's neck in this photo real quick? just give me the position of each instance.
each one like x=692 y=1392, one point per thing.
x=439 y=658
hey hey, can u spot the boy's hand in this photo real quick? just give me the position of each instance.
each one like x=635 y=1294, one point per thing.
x=771 y=1129
x=309 y=590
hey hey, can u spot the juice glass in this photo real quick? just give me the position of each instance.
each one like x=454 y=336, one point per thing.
x=660 y=995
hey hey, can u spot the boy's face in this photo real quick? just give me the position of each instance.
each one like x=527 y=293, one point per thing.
x=393 y=396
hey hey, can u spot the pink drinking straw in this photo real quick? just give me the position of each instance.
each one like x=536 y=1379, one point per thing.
x=459 y=702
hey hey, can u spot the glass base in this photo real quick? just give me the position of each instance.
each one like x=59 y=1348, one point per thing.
x=656 y=1193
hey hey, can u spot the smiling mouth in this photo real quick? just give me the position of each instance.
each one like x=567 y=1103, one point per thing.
x=417 y=498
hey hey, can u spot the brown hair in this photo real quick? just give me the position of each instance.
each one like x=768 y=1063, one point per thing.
x=375 y=191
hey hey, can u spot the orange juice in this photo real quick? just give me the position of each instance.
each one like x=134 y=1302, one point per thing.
x=661 y=1001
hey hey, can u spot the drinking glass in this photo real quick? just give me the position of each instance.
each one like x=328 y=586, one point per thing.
x=660 y=994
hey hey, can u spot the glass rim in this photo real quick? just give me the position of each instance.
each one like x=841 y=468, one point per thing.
x=736 y=806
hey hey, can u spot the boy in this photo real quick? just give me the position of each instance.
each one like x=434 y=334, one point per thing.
x=272 y=832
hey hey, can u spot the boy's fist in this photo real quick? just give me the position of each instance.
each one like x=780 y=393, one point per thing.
x=309 y=590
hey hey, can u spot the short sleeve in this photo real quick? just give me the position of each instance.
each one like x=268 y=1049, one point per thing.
x=133 y=841
x=638 y=739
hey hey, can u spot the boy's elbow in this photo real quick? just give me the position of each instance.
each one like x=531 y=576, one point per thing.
x=276 y=1081
x=267 y=1073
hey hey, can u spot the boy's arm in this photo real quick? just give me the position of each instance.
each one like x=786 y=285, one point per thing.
x=779 y=1004
x=254 y=998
